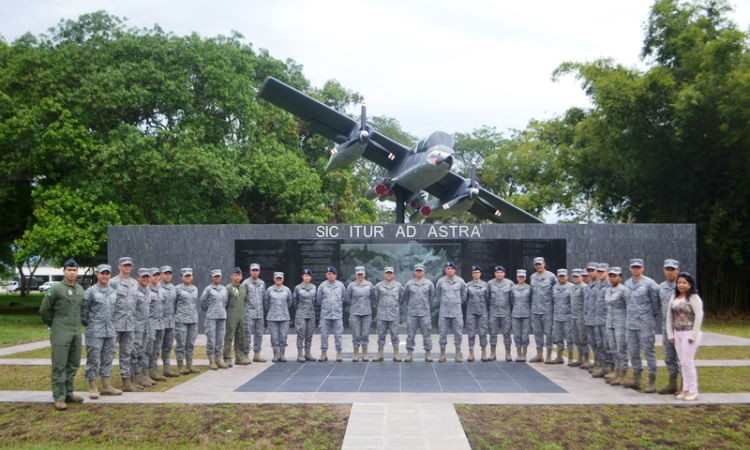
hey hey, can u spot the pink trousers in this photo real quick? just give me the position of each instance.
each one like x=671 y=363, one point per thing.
x=686 y=354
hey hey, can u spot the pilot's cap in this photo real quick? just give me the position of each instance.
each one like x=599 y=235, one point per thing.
x=450 y=264
x=499 y=268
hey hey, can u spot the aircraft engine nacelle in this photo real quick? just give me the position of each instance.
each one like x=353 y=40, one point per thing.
x=345 y=154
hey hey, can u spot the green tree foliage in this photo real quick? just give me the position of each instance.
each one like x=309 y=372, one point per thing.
x=672 y=143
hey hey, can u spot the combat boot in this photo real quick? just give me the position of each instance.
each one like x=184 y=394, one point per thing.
x=323 y=356
x=409 y=356
x=108 y=389
x=365 y=358
x=129 y=386
x=93 y=390
x=428 y=356
x=167 y=371
x=395 y=355
x=154 y=374
x=471 y=355
x=275 y=354
x=538 y=358
x=548 y=359
x=519 y=355
x=146 y=379
x=601 y=371
x=61 y=406
x=212 y=362
x=339 y=356
x=559 y=359
x=308 y=355
x=610 y=371
x=596 y=365
x=245 y=361
x=355 y=358
x=379 y=356
x=458 y=354
x=493 y=353
x=258 y=358
x=619 y=378
x=182 y=369
x=572 y=362
x=74 y=399
x=651 y=388
x=282 y=357
x=300 y=355
x=228 y=362
x=484 y=354
x=635 y=383
x=508 y=356
x=442 y=355
x=671 y=387
x=220 y=363
x=190 y=367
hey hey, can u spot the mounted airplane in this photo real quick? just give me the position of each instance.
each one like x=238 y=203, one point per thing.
x=411 y=173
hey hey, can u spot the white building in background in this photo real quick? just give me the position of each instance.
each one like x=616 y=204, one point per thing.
x=44 y=274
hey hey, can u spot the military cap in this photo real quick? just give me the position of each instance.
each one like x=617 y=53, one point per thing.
x=332 y=269
x=637 y=262
x=577 y=272
x=237 y=270
x=450 y=264
x=215 y=273
x=671 y=263
x=186 y=271
x=154 y=271
x=306 y=272
x=165 y=269
x=103 y=268
x=254 y=266
x=499 y=268
x=70 y=263
x=521 y=273
x=144 y=272
x=538 y=260
x=562 y=272
x=359 y=270
x=602 y=267
x=125 y=261
x=592 y=265
x=388 y=269
x=473 y=268
x=615 y=270
x=419 y=266
x=278 y=274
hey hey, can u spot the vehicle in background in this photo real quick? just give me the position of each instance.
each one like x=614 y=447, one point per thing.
x=47 y=285
x=12 y=286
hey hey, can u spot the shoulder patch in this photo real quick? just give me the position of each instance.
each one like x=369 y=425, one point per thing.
x=49 y=292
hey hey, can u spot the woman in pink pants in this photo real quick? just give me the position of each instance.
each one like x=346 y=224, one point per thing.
x=684 y=331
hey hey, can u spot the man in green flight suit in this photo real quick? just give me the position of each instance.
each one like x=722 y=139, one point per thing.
x=236 y=321
x=61 y=310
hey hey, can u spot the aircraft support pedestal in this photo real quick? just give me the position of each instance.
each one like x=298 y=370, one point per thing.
x=400 y=206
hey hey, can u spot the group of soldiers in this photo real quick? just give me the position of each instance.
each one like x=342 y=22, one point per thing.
x=145 y=316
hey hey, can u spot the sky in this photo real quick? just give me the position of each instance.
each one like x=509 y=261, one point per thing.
x=432 y=65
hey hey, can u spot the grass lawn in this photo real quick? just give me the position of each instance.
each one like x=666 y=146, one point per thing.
x=711 y=380
x=37 y=378
x=163 y=427
x=715 y=352
x=20 y=326
x=46 y=353
x=732 y=328
x=606 y=426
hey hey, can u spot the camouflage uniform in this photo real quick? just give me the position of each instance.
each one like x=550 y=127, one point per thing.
x=388 y=298
x=578 y=326
x=126 y=291
x=477 y=302
x=602 y=341
x=304 y=318
x=499 y=310
x=237 y=295
x=616 y=317
x=214 y=303
x=520 y=297
x=61 y=310
x=418 y=296
x=361 y=296
x=155 y=325
x=450 y=294
x=254 y=314
x=561 y=327
x=590 y=291
x=142 y=313
x=186 y=321
x=330 y=297
x=666 y=290
x=167 y=292
x=98 y=316
x=278 y=300
x=541 y=307
x=642 y=298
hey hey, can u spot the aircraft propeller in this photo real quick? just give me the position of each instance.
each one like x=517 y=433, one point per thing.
x=471 y=193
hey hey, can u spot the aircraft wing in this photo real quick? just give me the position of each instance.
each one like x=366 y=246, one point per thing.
x=330 y=123
x=509 y=213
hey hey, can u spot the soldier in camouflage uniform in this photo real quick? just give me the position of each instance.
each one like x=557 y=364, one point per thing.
x=388 y=297
x=98 y=316
x=61 y=311
x=589 y=316
x=330 y=297
x=499 y=312
x=606 y=365
x=562 y=323
x=542 y=282
x=616 y=321
x=142 y=313
x=450 y=294
x=214 y=303
x=255 y=288
x=419 y=293
x=186 y=322
x=520 y=297
x=155 y=324
x=642 y=298
x=237 y=295
x=304 y=318
x=578 y=326
x=477 y=302
x=277 y=300
x=167 y=292
x=126 y=289
x=360 y=294
x=666 y=290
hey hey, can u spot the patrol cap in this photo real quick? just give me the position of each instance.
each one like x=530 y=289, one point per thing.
x=475 y=268
x=577 y=272
x=103 y=268
x=592 y=265
x=602 y=267
x=637 y=262
x=561 y=272
x=388 y=269
x=216 y=273
x=278 y=275
x=125 y=261
x=419 y=266
x=237 y=270
x=671 y=263
x=332 y=270
x=144 y=272
x=450 y=264
x=254 y=266
x=499 y=268
x=521 y=272
x=165 y=269
x=539 y=260
x=306 y=272
x=615 y=270
x=70 y=263
x=359 y=270
x=186 y=271
x=154 y=271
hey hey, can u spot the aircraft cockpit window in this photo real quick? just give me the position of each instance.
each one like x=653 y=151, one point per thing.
x=436 y=138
